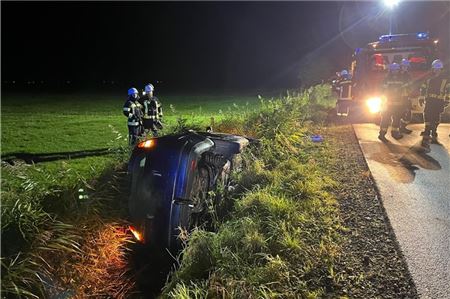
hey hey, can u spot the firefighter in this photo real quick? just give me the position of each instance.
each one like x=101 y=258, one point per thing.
x=334 y=83
x=406 y=117
x=132 y=109
x=435 y=93
x=344 y=89
x=152 y=111
x=393 y=109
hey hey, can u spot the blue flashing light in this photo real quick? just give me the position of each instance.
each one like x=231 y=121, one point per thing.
x=388 y=38
x=398 y=37
x=422 y=35
x=358 y=50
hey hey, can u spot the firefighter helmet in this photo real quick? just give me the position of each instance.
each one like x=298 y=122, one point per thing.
x=437 y=64
x=132 y=91
x=344 y=73
x=149 y=88
x=405 y=63
x=394 y=67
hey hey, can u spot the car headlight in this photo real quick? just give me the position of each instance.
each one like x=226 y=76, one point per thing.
x=374 y=104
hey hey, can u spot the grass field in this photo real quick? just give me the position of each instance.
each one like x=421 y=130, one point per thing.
x=57 y=123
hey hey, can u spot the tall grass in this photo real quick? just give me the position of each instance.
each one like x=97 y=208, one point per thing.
x=82 y=255
x=282 y=237
x=47 y=217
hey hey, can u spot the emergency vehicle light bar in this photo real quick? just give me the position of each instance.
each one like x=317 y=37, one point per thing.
x=397 y=37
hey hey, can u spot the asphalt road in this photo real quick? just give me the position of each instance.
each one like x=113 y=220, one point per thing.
x=415 y=191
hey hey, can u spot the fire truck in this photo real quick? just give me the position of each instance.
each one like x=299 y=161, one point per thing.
x=370 y=66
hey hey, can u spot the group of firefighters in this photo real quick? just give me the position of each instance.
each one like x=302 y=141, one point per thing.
x=144 y=114
x=397 y=87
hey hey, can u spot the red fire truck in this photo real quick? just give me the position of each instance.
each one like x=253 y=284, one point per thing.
x=370 y=65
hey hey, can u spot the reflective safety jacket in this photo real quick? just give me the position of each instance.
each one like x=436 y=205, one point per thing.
x=133 y=110
x=151 y=108
x=345 y=89
x=394 y=86
x=436 y=89
x=408 y=84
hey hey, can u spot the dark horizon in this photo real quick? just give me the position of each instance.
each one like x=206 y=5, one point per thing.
x=195 y=45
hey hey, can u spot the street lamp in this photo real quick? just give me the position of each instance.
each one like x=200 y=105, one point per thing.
x=391 y=3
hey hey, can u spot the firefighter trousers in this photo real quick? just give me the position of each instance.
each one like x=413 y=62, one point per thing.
x=406 y=117
x=133 y=134
x=151 y=125
x=432 y=116
x=391 y=115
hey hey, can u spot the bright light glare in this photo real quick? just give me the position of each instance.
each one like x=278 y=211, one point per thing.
x=374 y=104
x=391 y=3
x=136 y=234
x=146 y=144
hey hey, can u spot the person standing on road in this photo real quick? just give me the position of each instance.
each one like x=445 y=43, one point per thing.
x=435 y=94
x=393 y=86
x=132 y=109
x=344 y=89
x=406 y=117
x=152 y=111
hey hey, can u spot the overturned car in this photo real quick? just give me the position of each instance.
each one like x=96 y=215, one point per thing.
x=170 y=178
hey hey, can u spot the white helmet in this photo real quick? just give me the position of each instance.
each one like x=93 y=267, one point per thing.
x=437 y=64
x=405 y=63
x=149 y=88
x=132 y=91
x=394 y=67
x=344 y=73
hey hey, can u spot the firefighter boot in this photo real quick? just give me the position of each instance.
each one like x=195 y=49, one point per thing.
x=404 y=129
x=434 y=138
x=426 y=143
x=396 y=134
x=382 y=136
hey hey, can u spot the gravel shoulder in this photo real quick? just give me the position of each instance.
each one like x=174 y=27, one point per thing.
x=371 y=264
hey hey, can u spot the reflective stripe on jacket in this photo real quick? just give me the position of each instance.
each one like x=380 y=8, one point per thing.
x=152 y=108
x=436 y=88
x=132 y=109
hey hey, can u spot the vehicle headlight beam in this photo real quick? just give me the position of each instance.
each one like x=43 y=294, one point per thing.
x=374 y=104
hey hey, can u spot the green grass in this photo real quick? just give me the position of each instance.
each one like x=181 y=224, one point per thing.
x=57 y=123
x=282 y=236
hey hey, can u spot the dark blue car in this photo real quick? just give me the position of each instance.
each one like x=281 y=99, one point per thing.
x=170 y=180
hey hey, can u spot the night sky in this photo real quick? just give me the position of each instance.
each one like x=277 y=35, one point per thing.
x=196 y=45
